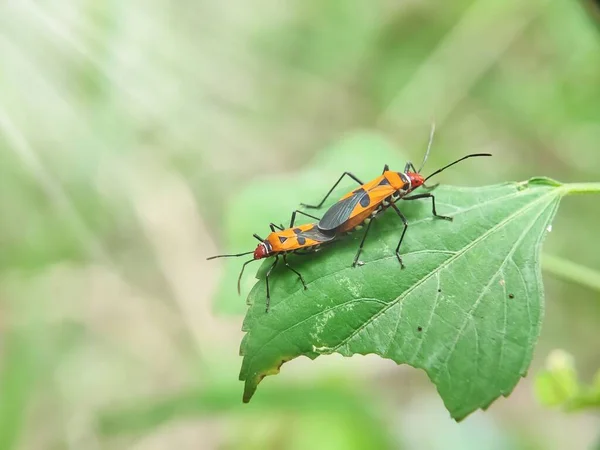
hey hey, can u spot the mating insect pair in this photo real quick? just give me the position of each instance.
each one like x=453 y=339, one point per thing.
x=352 y=211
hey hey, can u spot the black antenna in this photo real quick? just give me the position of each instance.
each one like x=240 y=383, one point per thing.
x=455 y=162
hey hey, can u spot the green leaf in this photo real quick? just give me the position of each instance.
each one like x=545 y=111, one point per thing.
x=558 y=383
x=467 y=309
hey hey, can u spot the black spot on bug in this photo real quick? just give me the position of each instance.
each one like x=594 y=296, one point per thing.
x=419 y=328
x=511 y=296
x=301 y=240
x=384 y=182
x=297 y=230
x=282 y=239
x=365 y=201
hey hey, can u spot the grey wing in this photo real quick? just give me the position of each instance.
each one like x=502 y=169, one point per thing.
x=339 y=213
x=317 y=235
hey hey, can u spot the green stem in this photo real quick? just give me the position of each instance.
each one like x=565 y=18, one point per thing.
x=581 y=188
x=570 y=271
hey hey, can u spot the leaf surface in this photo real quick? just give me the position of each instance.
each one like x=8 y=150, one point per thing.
x=467 y=309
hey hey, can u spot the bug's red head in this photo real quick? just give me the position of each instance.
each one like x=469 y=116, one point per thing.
x=262 y=250
x=416 y=179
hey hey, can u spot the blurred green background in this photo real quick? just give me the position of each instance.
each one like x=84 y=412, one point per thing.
x=128 y=128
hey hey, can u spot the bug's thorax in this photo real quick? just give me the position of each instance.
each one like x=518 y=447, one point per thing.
x=398 y=181
x=263 y=250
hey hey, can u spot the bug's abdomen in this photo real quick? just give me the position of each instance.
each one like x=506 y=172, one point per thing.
x=359 y=219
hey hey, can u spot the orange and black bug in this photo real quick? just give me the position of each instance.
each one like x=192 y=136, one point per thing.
x=363 y=204
x=300 y=239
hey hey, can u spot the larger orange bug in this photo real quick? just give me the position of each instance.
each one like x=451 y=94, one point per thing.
x=300 y=239
x=365 y=203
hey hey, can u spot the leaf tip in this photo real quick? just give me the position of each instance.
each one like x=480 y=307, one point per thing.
x=249 y=390
x=252 y=382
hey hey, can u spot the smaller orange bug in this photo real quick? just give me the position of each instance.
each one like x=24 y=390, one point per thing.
x=300 y=239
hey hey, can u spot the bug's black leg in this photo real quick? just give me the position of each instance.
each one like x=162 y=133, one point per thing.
x=362 y=242
x=256 y=236
x=331 y=190
x=294 y=270
x=267 y=282
x=385 y=169
x=409 y=166
x=418 y=196
x=273 y=227
x=405 y=222
x=293 y=219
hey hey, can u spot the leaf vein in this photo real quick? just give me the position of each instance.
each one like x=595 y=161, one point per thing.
x=492 y=279
x=382 y=258
x=431 y=314
x=474 y=206
x=538 y=244
x=393 y=335
x=505 y=314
